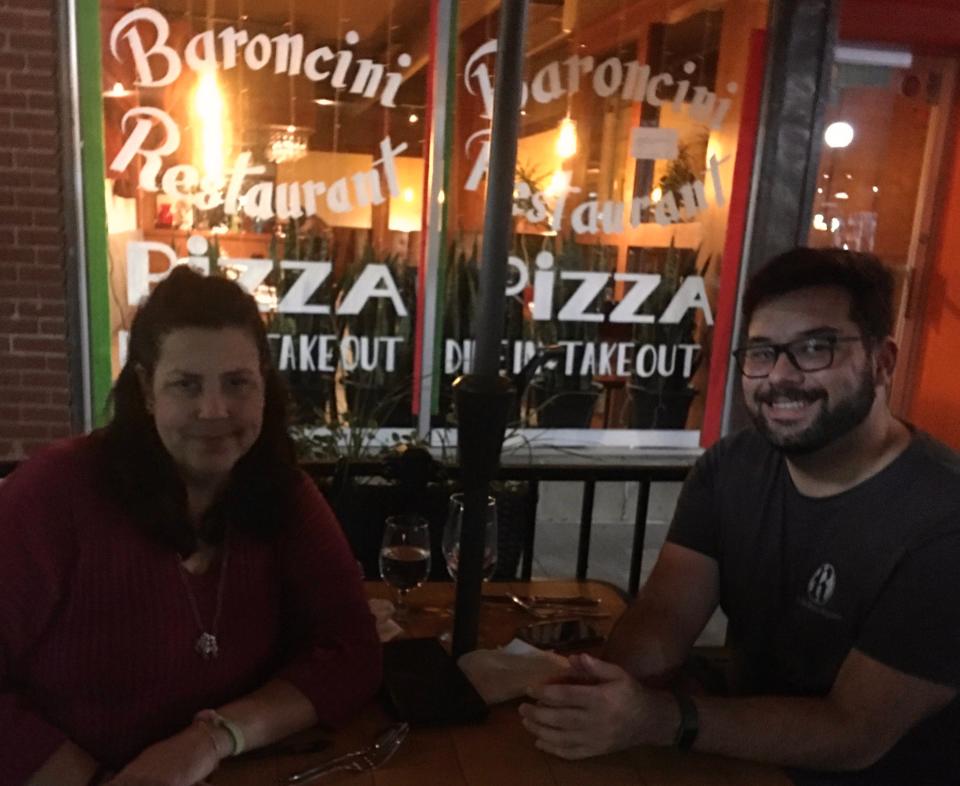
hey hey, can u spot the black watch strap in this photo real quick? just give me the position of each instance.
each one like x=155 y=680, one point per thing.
x=689 y=722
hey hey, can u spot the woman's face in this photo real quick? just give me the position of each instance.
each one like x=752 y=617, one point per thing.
x=206 y=397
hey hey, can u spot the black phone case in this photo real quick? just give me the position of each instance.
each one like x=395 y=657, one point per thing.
x=423 y=685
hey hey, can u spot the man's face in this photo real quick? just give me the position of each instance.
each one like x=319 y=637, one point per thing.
x=802 y=411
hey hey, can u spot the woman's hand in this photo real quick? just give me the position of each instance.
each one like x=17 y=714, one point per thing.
x=184 y=759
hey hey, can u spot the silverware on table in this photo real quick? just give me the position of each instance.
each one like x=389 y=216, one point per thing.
x=368 y=758
x=544 y=600
x=543 y=611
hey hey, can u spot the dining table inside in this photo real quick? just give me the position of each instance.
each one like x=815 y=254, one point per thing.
x=497 y=751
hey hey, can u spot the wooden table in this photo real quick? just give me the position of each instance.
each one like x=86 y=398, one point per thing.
x=499 y=751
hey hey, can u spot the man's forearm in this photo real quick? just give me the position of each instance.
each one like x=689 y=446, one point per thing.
x=792 y=731
x=644 y=642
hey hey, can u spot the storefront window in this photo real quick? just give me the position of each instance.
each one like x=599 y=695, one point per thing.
x=280 y=145
x=624 y=168
x=290 y=148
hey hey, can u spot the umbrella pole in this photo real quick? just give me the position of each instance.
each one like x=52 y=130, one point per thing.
x=483 y=397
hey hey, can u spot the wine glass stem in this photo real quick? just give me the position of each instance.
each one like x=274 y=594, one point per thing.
x=401 y=610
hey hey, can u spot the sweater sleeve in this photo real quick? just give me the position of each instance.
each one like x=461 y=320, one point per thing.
x=335 y=654
x=36 y=544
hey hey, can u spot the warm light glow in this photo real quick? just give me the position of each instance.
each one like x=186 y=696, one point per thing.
x=408 y=195
x=441 y=197
x=558 y=183
x=834 y=224
x=819 y=190
x=413 y=118
x=567 y=140
x=839 y=134
x=841 y=195
x=819 y=223
x=210 y=109
x=876 y=190
x=657 y=194
x=324 y=101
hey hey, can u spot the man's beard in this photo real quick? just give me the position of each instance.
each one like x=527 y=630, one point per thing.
x=830 y=424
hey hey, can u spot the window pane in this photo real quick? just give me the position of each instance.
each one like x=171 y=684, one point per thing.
x=281 y=144
x=624 y=170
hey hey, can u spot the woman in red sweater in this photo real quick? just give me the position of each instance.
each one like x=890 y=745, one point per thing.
x=174 y=589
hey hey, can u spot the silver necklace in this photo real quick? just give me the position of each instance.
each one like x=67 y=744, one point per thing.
x=207 y=646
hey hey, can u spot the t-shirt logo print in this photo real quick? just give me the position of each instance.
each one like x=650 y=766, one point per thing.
x=822 y=584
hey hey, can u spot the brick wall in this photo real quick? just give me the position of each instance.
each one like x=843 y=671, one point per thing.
x=34 y=382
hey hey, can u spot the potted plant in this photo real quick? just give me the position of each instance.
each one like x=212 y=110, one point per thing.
x=662 y=400
x=562 y=399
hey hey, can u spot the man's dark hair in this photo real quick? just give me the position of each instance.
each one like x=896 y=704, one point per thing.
x=862 y=276
x=142 y=474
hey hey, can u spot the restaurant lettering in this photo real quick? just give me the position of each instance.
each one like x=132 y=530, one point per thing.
x=375 y=281
x=629 y=80
x=160 y=64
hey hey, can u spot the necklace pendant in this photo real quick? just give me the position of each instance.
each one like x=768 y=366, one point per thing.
x=207 y=646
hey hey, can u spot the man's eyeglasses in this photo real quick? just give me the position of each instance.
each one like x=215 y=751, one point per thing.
x=806 y=354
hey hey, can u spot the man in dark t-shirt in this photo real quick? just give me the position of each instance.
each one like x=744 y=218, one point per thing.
x=830 y=536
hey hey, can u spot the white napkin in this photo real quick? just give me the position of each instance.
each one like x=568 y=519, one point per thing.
x=506 y=673
x=382 y=610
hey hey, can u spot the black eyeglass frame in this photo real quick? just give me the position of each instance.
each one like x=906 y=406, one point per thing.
x=739 y=352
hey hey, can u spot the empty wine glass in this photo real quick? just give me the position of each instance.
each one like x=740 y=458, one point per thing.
x=405 y=556
x=451 y=536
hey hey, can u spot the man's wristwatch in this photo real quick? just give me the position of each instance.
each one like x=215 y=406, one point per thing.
x=689 y=722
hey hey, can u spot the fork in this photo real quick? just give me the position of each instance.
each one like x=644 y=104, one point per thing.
x=368 y=758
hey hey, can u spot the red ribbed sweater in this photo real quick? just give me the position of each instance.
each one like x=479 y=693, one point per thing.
x=97 y=633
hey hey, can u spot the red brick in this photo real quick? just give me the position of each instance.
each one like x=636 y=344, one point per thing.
x=19 y=218
x=48 y=179
x=8 y=273
x=59 y=362
x=18 y=254
x=39 y=237
x=10 y=19
x=30 y=82
x=44 y=379
x=6 y=451
x=23 y=362
x=53 y=327
x=61 y=397
x=14 y=138
x=43 y=120
x=50 y=256
x=41 y=62
x=12 y=61
x=13 y=100
x=23 y=326
x=26 y=198
x=42 y=308
x=39 y=344
x=24 y=430
x=13 y=179
x=42 y=414
x=9 y=413
x=40 y=40
x=36 y=159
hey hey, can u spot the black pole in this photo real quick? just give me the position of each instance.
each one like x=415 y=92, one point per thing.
x=483 y=397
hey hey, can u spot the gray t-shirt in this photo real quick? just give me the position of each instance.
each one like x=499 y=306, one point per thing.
x=803 y=580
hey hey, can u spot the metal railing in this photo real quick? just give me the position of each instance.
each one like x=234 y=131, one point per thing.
x=644 y=473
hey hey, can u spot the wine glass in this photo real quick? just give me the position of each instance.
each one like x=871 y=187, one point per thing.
x=451 y=536
x=405 y=556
